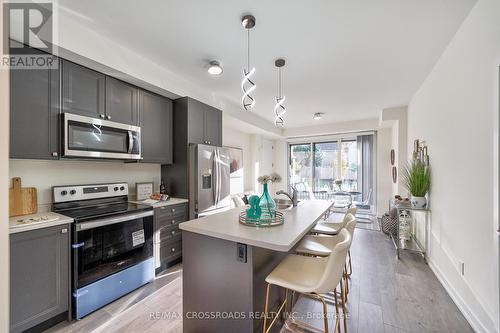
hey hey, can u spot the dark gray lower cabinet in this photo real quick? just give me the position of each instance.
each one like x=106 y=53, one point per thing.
x=156 y=124
x=167 y=236
x=39 y=277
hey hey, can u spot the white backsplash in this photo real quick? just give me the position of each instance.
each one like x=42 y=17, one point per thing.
x=45 y=174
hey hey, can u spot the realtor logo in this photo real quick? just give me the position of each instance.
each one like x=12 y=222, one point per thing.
x=29 y=25
x=28 y=38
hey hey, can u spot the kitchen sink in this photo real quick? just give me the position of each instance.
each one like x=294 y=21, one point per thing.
x=283 y=204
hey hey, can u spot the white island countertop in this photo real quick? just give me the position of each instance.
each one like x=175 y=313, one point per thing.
x=298 y=221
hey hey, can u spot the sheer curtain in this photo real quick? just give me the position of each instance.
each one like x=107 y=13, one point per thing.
x=367 y=158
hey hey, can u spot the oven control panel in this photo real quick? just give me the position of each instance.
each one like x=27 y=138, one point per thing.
x=84 y=192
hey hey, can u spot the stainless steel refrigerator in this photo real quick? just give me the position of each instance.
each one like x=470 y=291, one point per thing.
x=209 y=178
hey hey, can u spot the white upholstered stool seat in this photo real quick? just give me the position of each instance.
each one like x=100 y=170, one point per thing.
x=298 y=273
x=325 y=229
x=317 y=245
x=333 y=228
x=321 y=245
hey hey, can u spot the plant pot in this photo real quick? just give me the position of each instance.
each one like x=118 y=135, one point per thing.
x=418 y=202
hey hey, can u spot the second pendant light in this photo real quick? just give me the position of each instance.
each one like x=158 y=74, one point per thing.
x=279 y=108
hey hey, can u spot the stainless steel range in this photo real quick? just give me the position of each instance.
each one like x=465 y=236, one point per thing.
x=112 y=243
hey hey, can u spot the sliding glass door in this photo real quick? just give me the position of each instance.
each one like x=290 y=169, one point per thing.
x=301 y=168
x=327 y=169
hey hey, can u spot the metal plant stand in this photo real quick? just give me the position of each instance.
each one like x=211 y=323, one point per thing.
x=411 y=244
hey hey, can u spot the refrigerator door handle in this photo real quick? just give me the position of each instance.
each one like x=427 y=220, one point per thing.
x=219 y=176
x=214 y=176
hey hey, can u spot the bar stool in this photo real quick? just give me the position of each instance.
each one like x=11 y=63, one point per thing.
x=311 y=276
x=333 y=228
x=322 y=245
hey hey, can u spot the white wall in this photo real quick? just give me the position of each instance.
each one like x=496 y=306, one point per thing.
x=234 y=138
x=397 y=119
x=45 y=174
x=456 y=112
x=384 y=175
x=4 y=193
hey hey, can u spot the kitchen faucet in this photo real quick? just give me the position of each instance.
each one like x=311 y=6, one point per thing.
x=292 y=197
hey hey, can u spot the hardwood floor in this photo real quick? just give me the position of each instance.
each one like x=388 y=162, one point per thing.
x=386 y=295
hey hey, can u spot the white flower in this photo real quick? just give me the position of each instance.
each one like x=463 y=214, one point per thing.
x=263 y=179
x=275 y=178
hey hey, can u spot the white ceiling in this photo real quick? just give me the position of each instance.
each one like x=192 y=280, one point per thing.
x=346 y=58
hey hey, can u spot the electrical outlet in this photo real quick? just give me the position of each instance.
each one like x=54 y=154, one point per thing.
x=461 y=268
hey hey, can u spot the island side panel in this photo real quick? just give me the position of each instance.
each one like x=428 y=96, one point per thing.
x=214 y=281
x=263 y=262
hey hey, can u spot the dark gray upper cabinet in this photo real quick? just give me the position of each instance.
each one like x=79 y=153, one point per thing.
x=34 y=113
x=83 y=91
x=156 y=127
x=121 y=102
x=39 y=276
x=194 y=122
x=204 y=123
x=213 y=126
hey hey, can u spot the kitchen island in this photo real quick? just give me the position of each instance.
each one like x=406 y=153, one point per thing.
x=225 y=265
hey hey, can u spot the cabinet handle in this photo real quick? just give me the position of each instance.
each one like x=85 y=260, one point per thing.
x=108 y=117
x=173 y=221
x=173 y=210
x=173 y=232
x=101 y=116
x=173 y=249
x=55 y=154
x=63 y=231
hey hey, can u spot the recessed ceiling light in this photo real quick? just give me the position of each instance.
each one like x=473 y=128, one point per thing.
x=318 y=115
x=214 y=68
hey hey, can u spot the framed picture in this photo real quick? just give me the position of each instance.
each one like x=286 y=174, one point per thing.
x=236 y=169
x=143 y=190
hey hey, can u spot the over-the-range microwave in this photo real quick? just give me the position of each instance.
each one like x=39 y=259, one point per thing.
x=97 y=138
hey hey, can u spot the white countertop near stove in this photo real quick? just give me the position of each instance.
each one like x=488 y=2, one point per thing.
x=225 y=225
x=52 y=219
x=169 y=202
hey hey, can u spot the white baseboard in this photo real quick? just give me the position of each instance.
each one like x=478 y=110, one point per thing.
x=466 y=310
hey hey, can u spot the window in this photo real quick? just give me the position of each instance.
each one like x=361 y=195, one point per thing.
x=323 y=169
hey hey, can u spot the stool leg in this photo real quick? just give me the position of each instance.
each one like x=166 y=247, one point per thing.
x=337 y=316
x=342 y=291
x=266 y=307
x=325 y=313
x=284 y=315
x=344 y=311
x=346 y=278
x=350 y=263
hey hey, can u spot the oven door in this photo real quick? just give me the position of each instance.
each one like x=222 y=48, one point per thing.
x=106 y=246
x=97 y=138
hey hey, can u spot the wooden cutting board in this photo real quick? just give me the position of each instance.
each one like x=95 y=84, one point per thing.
x=22 y=201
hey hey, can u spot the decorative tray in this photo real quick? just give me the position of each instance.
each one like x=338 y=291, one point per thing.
x=277 y=220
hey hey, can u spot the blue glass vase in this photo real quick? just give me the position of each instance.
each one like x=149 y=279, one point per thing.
x=267 y=205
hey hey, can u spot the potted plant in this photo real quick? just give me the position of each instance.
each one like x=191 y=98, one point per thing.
x=266 y=203
x=417 y=180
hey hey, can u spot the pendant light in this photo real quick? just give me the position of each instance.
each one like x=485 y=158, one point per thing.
x=279 y=108
x=247 y=85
